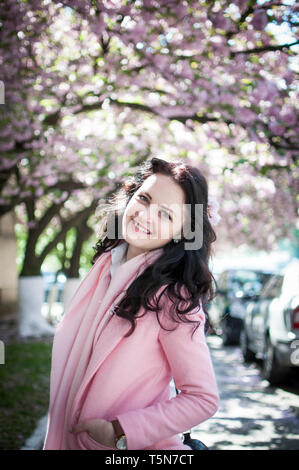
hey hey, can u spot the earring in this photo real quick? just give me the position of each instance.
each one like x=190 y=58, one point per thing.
x=176 y=240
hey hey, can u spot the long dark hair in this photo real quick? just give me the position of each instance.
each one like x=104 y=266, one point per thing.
x=184 y=273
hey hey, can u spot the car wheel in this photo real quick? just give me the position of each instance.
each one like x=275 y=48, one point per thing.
x=271 y=369
x=247 y=354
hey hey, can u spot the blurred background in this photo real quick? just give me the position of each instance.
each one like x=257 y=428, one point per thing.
x=88 y=91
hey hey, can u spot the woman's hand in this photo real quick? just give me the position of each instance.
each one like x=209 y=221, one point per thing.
x=99 y=429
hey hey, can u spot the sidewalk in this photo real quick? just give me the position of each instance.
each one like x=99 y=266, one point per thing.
x=36 y=440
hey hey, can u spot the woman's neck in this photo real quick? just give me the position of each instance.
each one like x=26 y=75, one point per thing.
x=132 y=251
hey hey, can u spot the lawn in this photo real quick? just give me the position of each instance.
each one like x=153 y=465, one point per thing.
x=24 y=390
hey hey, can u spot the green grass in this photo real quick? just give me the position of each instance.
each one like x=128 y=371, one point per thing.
x=24 y=390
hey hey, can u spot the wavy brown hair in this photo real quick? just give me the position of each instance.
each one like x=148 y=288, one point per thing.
x=184 y=274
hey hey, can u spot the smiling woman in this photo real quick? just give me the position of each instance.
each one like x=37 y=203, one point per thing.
x=150 y=209
x=109 y=387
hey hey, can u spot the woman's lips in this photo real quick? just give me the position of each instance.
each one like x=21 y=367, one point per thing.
x=139 y=228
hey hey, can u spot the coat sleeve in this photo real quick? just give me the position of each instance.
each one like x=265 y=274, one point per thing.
x=192 y=369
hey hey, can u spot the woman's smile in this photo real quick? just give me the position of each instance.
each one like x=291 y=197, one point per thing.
x=139 y=228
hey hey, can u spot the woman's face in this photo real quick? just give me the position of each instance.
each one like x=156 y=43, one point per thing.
x=158 y=209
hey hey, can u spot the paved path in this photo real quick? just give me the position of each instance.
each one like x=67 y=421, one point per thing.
x=252 y=414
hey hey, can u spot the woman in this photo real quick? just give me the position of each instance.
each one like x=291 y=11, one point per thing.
x=137 y=321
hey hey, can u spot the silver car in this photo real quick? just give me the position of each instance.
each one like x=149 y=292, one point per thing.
x=235 y=288
x=271 y=326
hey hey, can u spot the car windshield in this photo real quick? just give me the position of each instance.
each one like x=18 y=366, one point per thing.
x=248 y=283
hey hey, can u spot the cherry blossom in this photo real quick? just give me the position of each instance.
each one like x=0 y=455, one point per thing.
x=94 y=88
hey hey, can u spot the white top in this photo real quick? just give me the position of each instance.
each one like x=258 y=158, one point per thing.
x=118 y=256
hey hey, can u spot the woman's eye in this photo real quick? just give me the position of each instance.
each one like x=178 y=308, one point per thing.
x=167 y=215
x=146 y=200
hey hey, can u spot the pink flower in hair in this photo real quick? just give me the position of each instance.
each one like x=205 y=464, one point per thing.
x=212 y=210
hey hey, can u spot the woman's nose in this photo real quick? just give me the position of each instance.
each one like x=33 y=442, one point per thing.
x=145 y=216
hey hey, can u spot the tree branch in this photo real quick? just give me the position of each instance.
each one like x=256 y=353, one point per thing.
x=48 y=215
x=148 y=109
x=257 y=50
x=67 y=185
x=66 y=225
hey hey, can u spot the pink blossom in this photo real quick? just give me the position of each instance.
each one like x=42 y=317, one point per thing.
x=259 y=20
x=6 y=163
x=5 y=146
x=220 y=21
x=265 y=91
x=149 y=3
x=11 y=191
x=246 y=115
x=160 y=61
x=288 y=116
x=275 y=111
x=138 y=32
x=98 y=25
x=289 y=77
x=213 y=207
x=276 y=128
x=225 y=98
x=50 y=180
x=39 y=192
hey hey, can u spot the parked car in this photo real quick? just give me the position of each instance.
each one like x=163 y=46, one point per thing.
x=235 y=288
x=271 y=326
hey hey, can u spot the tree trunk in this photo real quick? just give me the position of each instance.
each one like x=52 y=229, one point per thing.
x=31 y=297
x=83 y=232
x=31 y=264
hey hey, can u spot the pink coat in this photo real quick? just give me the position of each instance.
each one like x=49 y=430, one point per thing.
x=97 y=373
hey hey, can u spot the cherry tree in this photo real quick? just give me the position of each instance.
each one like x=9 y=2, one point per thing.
x=93 y=88
x=215 y=67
